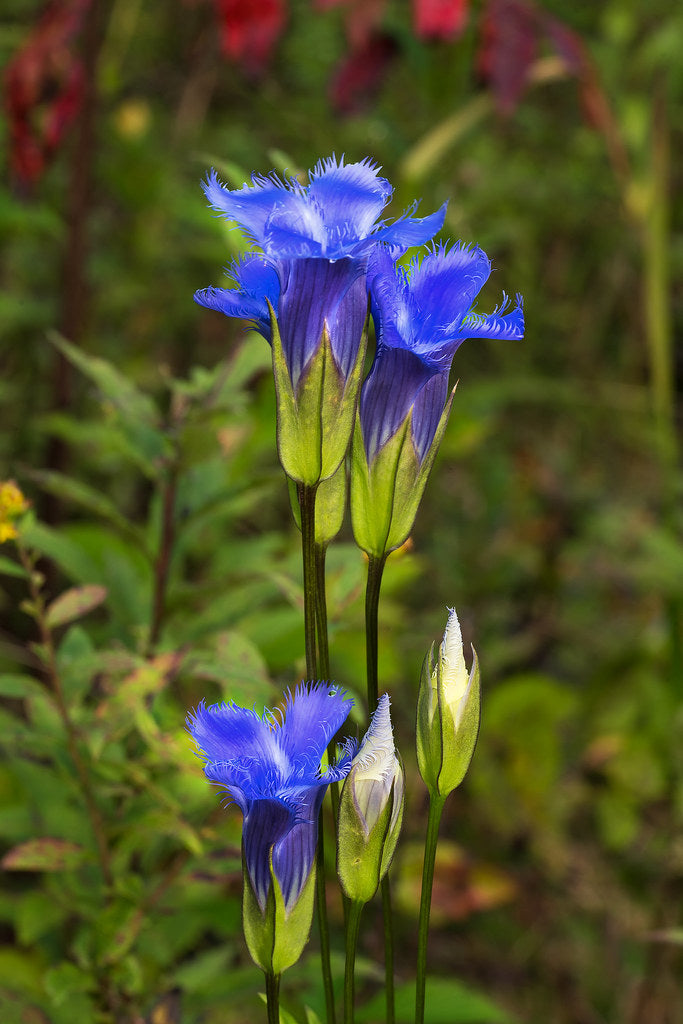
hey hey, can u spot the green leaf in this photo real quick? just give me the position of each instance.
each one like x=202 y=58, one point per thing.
x=74 y=604
x=66 y=980
x=46 y=854
x=37 y=914
x=447 y=1002
x=10 y=568
x=16 y=685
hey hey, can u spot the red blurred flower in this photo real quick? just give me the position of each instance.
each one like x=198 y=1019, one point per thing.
x=439 y=19
x=360 y=74
x=250 y=29
x=44 y=88
x=508 y=49
x=362 y=18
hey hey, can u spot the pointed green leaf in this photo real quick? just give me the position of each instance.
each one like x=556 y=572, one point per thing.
x=74 y=604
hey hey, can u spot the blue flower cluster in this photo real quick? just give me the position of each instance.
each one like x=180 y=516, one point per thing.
x=320 y=250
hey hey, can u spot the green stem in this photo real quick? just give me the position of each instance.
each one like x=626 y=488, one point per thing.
x=323 y=928
x=306 y=495
x=374 y=583
x=321 y=612
x=273 y=997
x=436 y=805
x=352 y=929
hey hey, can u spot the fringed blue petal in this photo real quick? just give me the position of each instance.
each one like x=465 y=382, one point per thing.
x=257 y=283
x=353 y=195
x=313 y=715
x=408 y=231
x=250 y=206
x=502 y=323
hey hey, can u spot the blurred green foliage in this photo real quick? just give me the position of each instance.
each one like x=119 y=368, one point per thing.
x=552 y=520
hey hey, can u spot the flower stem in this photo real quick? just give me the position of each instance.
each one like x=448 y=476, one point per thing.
x=321 y=612
x=374 y=584
x=436 y=805
x=306 y=495
x=273 y=997
x=352 y=929
x=73 y=736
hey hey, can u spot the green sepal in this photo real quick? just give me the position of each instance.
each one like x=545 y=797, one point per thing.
x=330 y=505
x=364 y=854
x=315 y=422
x=386 y=495
x=274 y=937
x=446 y=734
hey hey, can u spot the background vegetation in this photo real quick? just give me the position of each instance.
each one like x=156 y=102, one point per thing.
x=141 y=427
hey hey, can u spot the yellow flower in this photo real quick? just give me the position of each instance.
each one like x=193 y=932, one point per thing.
x=12 y=505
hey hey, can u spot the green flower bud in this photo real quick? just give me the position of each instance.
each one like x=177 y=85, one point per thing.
x=276 y=938
x=448 y=708
x=315 y=419
x=370 y=810
x=386 y=491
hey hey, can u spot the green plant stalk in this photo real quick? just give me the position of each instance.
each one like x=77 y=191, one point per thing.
x=436 y=805
x=273 y=996
x=71 y=730
x=306 y=495
x=163 y=560
x=352 y=928
x=374 y=584
x=324 y=655
x=655 y=226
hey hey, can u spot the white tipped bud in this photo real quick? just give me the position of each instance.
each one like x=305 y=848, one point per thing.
x=370 y=809
x=447 y=712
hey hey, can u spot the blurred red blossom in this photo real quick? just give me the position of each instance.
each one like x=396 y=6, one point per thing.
x=43 y=88
x=439 y=19
x=508 y=49
x=250 y=29
x=360 y=74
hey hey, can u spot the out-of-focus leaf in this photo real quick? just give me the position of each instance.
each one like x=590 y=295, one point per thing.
x=37 y=913
x=74 y=604
x=45 y=854
x=67 y=489
x=15 y=685
x=447 y=1002
x=10 y=568
x=65 y=980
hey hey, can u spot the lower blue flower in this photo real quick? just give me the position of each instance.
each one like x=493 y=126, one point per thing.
x=270 y=765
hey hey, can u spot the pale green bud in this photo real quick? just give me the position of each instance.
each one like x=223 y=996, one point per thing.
x=448 y=708
x=370 y=810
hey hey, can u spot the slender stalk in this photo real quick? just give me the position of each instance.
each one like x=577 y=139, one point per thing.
x=374 y=584
x=321 y=612
x=163 y=561
x=352 y=929
x=72 y=735
x=306 y=496
x=273 y=996
x=436 y=805
x=307 y=506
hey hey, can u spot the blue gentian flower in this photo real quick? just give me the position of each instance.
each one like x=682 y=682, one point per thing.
x=270 y=766
x=422 y=315
x=315 y=242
